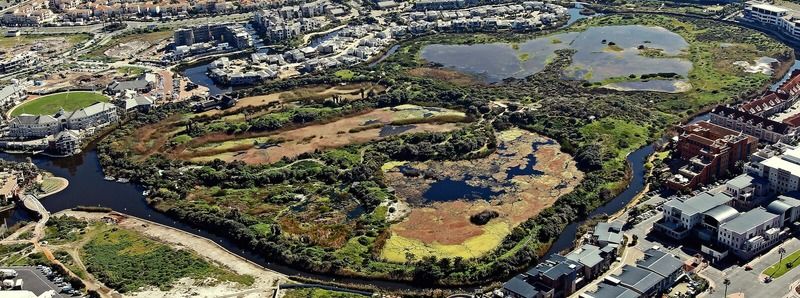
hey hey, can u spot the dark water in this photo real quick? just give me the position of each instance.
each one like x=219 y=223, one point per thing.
x=391 y=130
x=87 y=188
x=636 y=160
x=197 y=74
x=388 y=53
x=451 y=190
x=528 y=169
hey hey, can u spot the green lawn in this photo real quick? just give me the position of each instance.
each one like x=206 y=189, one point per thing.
x=345 y=74
x=780 y=268
x=50 y=104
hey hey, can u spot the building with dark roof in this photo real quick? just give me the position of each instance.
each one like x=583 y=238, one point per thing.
x=762 y=128
x=644 y=282
x=766 y=105
x=664 y=264
x=605 y=290
x=519 y=287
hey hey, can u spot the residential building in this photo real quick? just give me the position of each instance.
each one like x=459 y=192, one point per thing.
x=664 y=264
x=17 y=62
x=12 y=94
x=770 y=16
x=33 y=126
x=644 y=282
x=595 y=261
x=141 y=103
x=67 y=142
x=607 y=233
x=751 y=232
x=762 y=128
x=766 y=105
x=709 y=151
x=681 y=217
x=605 y=290
x=143 y=84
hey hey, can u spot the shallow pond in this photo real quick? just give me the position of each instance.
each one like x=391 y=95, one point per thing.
x=602 y=53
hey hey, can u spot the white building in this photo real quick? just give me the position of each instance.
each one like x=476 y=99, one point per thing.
x=39 y=126
x=783 y=19
x=782 y=171
x=680 y=217
x=751 y=232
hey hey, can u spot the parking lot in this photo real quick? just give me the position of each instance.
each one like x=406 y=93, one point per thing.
x=35 y=281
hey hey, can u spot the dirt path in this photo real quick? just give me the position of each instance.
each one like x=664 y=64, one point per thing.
x=265 y=279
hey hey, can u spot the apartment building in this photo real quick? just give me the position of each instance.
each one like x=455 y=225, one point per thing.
x=771 y=16
x=762 y=128
x=709 y=151
x=233 y=34
x=781 y=168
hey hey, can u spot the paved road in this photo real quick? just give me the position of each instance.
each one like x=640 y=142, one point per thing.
x=749 y=282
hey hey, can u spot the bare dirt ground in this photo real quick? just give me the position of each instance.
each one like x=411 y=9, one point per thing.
x=127 y=50
x=347 y=92
x=523 y=196
x=73 y=79
x=265 y=280
x=310 y=138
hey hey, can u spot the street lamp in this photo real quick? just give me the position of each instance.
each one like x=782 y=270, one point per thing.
x=781 y=251
x=726 y=282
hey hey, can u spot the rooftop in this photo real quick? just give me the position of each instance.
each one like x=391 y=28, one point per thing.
x=638 y=279
x=749 y=220
x=745 y=180
x=605 y=290
x=700 y=203
x=588 y=255
x=519 y=286
x=788 y=161
x=660 y=262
